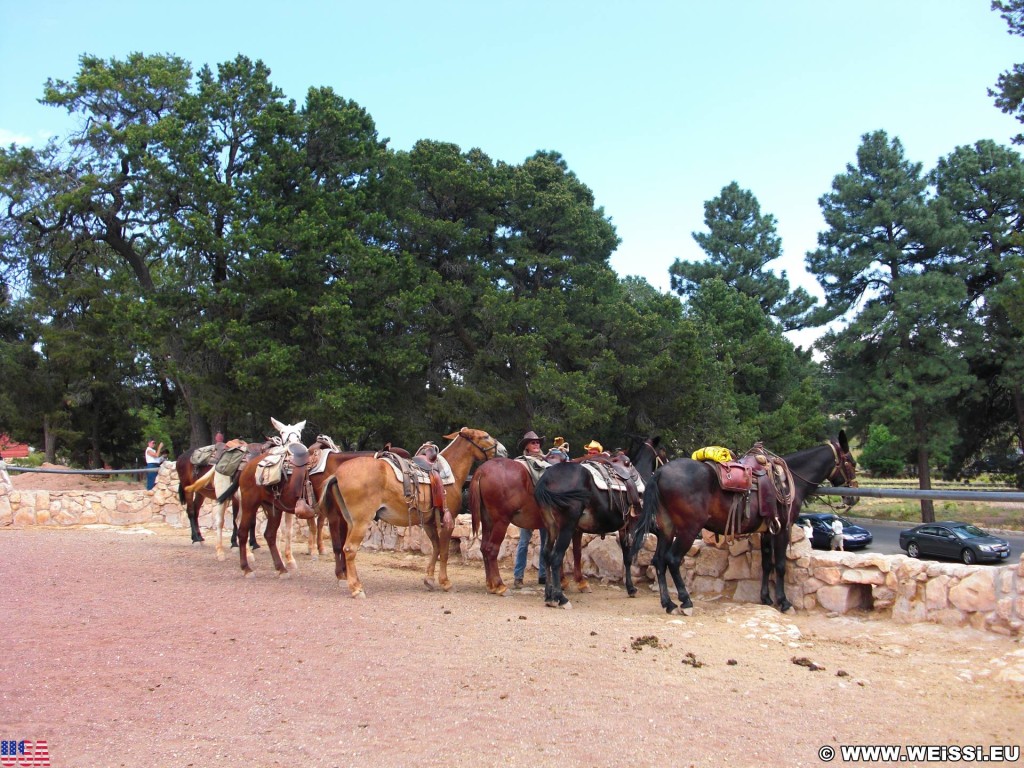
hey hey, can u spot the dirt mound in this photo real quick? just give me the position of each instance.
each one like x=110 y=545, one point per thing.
x=47 y=481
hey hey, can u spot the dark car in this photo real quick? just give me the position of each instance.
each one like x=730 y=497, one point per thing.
x=854 y=536
x=959 y=541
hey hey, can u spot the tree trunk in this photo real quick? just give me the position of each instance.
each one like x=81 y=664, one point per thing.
x=49 y=441
x=924 y=473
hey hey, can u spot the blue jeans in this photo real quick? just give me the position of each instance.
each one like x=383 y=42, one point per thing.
x=151 y=475
x=525 y=534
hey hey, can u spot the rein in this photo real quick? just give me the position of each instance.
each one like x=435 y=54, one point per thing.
x=840 y=466
x=489 y=453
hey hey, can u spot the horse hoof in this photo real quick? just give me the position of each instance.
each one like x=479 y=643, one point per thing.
x=220 y=556
x=284 y=574
x=360 y=595
x=586 y=588
x=314 y=556
x=250 y=575
x=551 y=603
x=447 y=587
x=686 y=611
x=430 y=584
x=566 y=606
x=197 y=543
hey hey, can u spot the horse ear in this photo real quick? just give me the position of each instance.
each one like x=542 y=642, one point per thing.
x=453 y=435
x=843 y=442
x=277 y=424
x=656 y=441
x=300 y=426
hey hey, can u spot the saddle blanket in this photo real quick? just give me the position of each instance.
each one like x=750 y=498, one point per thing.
x=443 y=468
x=321 y=462
x=617 y=483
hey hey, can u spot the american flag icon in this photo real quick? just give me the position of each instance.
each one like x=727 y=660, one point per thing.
x=24 y=754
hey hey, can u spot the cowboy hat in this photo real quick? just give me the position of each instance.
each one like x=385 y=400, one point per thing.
x=529 y=437
x=592 y=445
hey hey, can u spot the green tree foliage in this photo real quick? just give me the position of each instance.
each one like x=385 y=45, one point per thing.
x=883 y=254
x=202 y=253
x=981 y=189
x=1009 y=90
x=883 y=453
x=740 y=244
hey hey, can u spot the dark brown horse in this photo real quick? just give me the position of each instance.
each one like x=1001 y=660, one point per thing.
x=366 y=489
x=685 y=496
x=571 y=502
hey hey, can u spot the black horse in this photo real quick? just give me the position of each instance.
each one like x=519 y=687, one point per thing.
x=570 y=500
x=685 y=496
x=188 y=473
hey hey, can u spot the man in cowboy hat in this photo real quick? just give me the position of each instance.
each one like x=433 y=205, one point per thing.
x=529 y=446
x=593 y=448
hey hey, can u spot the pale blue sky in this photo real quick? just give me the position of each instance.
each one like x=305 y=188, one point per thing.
x=655 y=105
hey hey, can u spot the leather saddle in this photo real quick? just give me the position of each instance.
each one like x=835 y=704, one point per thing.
x=761 y=477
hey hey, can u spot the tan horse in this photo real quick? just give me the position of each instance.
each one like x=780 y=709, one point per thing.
x=367 y=489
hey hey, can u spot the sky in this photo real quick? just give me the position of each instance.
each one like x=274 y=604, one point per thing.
x=655 y=106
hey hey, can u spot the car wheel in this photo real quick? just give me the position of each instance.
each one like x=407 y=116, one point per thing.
x=968 y=557
x=912 y=549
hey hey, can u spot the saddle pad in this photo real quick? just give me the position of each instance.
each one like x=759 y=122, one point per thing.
x=443 y=468
x=615 y=484
x=321 y=463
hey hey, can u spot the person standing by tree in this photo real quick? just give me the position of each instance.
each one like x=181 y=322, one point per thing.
x=153 y=462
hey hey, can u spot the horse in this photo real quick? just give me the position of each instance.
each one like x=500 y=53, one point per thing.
x=286 y=496
x=193 y=500
x=365 y=489
x=319 y=479
x=502 y=493
x=685 y=496
x=571 y=503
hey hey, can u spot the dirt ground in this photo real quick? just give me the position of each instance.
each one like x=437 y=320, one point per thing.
x=132 y=647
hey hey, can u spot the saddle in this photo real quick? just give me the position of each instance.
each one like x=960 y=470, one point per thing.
x=619 y=473
x=281 y=463
x=761 y=483
x=536 y=466
x=427 y=467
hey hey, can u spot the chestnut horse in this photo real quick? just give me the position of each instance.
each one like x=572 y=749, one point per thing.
x=366 y=489
x=685 y=496
x=571 y=502
x=502 y=493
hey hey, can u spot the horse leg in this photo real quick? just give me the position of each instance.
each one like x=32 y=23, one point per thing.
x=193 y=502
x=430 y=529
x=773 y=557
x=289 y=532
x=491 y=537
x=577 y=564
x=246 y=523
x=554 y=596
x=321 y=548
x=270 y=536
x=312 y=544
x=354 y=540
x=624 y=546
x=676 y=552
x=218 y=526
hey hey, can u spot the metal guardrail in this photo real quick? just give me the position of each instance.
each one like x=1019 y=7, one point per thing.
x=13 y=468
x=933 y=494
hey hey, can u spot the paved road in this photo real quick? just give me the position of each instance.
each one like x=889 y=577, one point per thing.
x=887 y=535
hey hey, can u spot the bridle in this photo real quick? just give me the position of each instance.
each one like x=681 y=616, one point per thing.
x=489 y=452
x=844 y=466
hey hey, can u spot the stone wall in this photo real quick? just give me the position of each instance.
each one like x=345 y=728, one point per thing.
x=985 y=597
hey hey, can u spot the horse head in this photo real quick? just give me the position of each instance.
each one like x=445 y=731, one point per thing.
x=488 y=446
x=845 y=472
x=647 y=455
x=290 y=433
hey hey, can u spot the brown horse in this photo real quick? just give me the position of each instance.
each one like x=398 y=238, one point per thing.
x=366 y=489
x=685 y=496
x=500 y=494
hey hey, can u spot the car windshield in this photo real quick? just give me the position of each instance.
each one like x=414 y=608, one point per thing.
x=969 y=532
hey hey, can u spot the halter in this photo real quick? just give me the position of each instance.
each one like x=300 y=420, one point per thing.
x=489 y=453
x=658 y=461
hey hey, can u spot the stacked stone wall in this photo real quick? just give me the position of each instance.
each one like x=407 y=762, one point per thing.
x=985 y=597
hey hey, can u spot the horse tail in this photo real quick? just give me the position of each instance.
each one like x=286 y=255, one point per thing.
x=321 y=504
x=181 y=492
x=645 y=525
x=548 y=498
x=475 y=500
x=229 y=492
